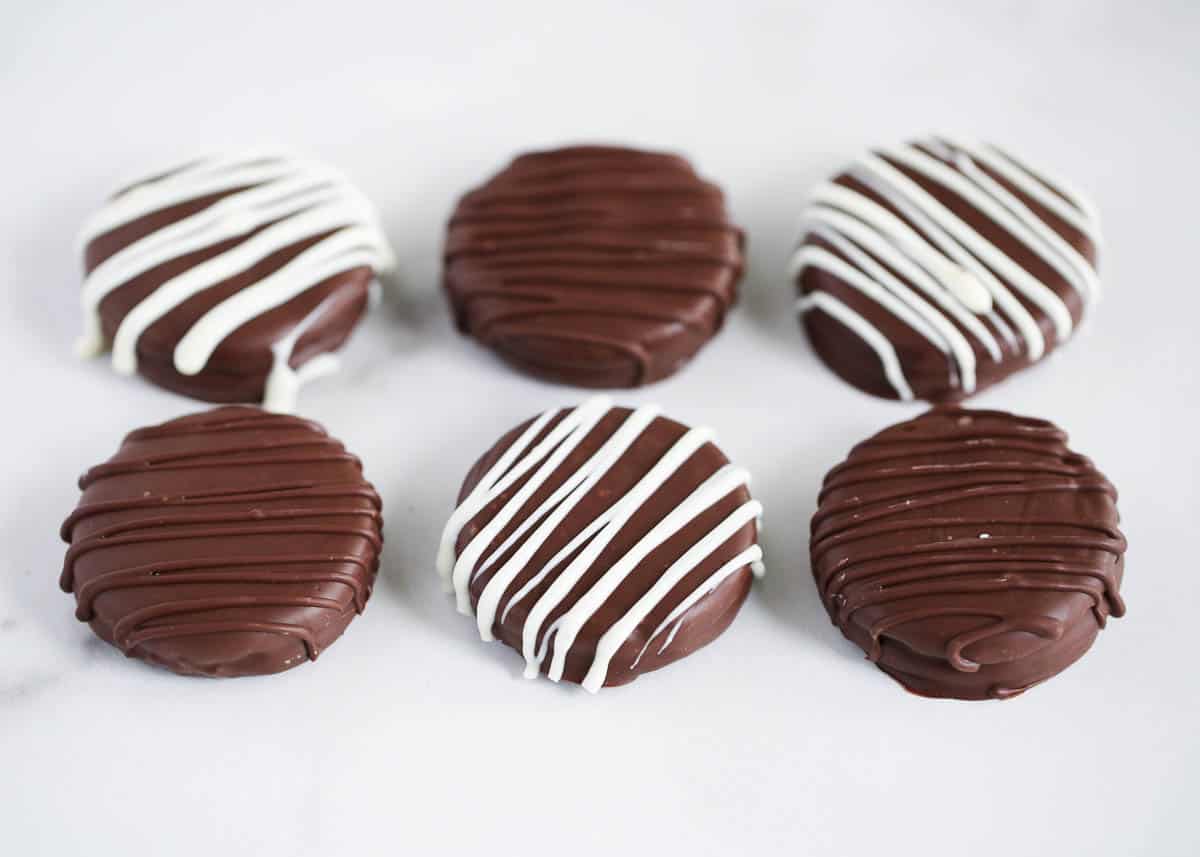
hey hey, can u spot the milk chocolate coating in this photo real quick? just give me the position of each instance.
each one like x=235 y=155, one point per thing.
x=971 y=554
x=928 y=369
x=593 y=266
x=227 y=543
x=699 y=625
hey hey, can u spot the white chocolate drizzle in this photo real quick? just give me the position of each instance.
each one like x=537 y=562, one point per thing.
x=288 y=199
x=537 y=461
x=935 y=272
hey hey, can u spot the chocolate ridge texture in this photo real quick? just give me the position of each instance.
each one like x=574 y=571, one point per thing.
x=595 y=266
x=970 y=553
x=227 y=543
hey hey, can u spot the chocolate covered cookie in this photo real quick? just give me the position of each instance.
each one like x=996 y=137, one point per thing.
x=971 y=554
x=602 y=542
x=934 y=269
x=594 y=266
x=227 y=543
x=232 y=277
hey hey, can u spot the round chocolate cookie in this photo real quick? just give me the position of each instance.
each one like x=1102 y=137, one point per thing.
x=935 y=269
x=230 y=278
x=971 y=554
x=233 y=542
x=594 y=266
x=602 y=543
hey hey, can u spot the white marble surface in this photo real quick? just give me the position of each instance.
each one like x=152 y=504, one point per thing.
x=412 y=737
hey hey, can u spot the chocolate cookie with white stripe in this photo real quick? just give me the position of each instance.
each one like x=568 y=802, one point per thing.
x=602 y=542
x=228 y=543
x=594 y=266
x=934 y=269
x=971 y=554
x=232 y=277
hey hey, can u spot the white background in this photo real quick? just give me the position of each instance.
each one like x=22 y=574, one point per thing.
x=412 y=737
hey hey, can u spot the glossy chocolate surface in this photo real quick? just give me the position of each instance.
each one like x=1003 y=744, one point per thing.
x=227 y=543
x=971 y=554
x=593 y=266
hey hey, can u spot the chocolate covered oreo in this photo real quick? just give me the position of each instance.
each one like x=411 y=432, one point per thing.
x=232 y=277
x=602 y=542
x=228 y=543
x=971 y=554
x=593 y=266
x=934 y=269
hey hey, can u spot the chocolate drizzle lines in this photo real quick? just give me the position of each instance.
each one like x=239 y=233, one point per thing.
x=233 y=456
x=965 y=526
x=223 y=278
x=627 y=251
x=937 y=268
x=260 y=524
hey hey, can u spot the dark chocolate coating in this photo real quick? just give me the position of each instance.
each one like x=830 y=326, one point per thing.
x=593 y=266
x=238 y=368
x=971 y=554
x=226 y=543
x=924 y=365
x=701 y=623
